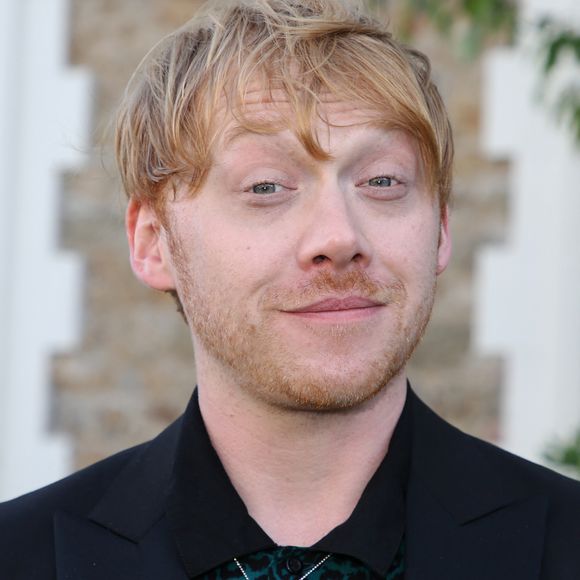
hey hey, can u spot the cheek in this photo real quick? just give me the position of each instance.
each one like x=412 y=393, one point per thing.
x=230 y=262
x=409 y=252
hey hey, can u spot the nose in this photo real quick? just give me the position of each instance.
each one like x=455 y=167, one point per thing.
x=333 y=234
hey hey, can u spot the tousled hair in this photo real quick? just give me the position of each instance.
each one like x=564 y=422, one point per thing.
x=168 y=120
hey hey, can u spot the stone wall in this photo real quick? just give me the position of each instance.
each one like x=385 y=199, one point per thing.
x=134 y=370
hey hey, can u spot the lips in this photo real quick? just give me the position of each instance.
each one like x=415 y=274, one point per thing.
x=338 y=304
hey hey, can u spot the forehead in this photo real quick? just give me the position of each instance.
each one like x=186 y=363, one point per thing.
x=271 y=112
x=257 y=102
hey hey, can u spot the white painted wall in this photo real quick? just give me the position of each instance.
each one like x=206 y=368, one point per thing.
x=528 y=303
x=44 y=120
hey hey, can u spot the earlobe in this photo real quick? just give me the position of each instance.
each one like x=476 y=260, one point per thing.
x=444 y=249
x=148 y=249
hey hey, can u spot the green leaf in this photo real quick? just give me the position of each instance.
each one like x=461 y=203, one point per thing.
x=565 y=454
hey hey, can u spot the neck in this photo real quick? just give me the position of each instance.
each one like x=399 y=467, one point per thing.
x=299 y=473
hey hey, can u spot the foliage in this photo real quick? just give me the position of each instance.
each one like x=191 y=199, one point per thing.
x=559 y=42
x=568 y=109
x=566 y=455
x=481 y=20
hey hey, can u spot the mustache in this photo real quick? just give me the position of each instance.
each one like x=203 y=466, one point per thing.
x=328 y=284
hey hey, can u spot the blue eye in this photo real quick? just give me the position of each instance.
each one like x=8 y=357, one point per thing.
x=266 y=187
x=382 y=181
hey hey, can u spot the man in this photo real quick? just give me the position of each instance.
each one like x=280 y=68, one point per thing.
x=288 y=171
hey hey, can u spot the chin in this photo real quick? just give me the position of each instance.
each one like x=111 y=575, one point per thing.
x=328 y=393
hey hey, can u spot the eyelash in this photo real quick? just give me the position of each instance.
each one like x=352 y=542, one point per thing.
x=393 y=181
x=276 y=185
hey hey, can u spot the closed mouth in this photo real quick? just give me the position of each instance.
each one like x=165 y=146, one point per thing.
x=335 y=304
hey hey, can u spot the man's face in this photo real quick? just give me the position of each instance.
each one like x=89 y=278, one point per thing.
x=308 y=283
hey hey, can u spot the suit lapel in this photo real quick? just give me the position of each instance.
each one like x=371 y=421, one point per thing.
x=89 y=551
x=469 y=514
x=125 y=537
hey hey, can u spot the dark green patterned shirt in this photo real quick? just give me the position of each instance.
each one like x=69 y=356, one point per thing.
x=289 y=563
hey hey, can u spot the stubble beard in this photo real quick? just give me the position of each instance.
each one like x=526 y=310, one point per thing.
x=260 y=361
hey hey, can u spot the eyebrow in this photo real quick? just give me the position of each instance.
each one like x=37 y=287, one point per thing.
x=293 y=148
x=239 y=131
x=281 y=145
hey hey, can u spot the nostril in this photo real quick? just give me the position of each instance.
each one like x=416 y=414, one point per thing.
x=322 y=258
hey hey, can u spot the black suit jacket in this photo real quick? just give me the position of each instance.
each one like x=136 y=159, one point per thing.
x=474 y=512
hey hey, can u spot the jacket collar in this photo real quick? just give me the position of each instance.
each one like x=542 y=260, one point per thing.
x=459 y=469
x=137 y=498
x=469 y=514
x=125 y=536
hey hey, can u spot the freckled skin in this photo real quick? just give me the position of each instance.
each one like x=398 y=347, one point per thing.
x=274 y=229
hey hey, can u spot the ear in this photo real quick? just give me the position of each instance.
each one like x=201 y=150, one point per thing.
x=444 y=250
x=148 y=248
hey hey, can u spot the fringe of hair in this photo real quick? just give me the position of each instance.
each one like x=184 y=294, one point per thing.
x=168 y=120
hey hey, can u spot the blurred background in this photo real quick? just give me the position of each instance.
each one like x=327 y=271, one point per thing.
x=92 y=362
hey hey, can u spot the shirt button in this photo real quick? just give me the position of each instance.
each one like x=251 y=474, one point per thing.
x=294 y=565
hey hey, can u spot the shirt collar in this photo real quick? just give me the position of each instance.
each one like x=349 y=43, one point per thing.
x=211 y=524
